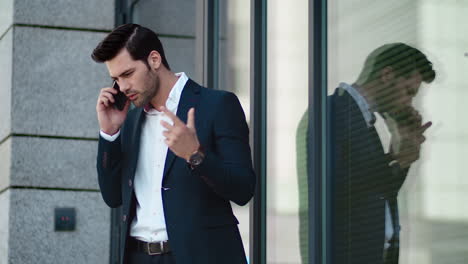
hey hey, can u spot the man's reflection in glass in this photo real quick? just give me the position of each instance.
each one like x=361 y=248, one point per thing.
x=376 y=134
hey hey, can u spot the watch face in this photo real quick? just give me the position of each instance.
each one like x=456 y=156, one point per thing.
x=196 y=159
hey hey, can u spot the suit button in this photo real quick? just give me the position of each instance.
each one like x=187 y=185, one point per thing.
x=124 y=218
x=130 y=183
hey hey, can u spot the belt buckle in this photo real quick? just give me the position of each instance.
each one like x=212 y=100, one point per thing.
x=161 y=245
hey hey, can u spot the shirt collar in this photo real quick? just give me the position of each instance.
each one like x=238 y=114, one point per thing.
x=174 y=96
x=361 y=102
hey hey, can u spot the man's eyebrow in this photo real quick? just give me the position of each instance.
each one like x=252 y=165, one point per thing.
x=123 y=73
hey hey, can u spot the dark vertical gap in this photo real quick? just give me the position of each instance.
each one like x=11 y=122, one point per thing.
x=319 y=186
x=326 y=180
x=121 y=16
x=212 y=30
x=327 y=140
x=259 y=103
x=129 y=10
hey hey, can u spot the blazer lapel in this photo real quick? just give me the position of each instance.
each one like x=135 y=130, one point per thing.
x=188 y=99
x=135 y=145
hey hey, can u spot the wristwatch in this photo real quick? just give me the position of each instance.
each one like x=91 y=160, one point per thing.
x=196 y=158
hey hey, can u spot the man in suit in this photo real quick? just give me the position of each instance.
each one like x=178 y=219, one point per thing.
x=376 y=135
x=175 y=161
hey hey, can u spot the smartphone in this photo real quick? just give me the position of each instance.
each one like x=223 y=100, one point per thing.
x=120 y=98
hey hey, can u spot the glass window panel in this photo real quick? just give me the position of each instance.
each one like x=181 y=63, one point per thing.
x=234 y=50
x=287 y=99
x=234 y=75
x=425 y=195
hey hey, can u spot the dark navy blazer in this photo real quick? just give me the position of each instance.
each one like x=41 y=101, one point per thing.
x=199 y=218
x=362 y=182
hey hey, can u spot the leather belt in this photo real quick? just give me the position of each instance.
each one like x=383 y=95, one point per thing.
x=154 y=248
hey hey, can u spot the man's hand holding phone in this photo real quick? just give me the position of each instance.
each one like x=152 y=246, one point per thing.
x=110 y=118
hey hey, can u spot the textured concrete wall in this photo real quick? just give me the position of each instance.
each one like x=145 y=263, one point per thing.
x=180 y=55
x=32 y=236
x=6 y=15
x=6 y=48
x=175 y=17
x=5 y=165
x=48 y=129
x=53 y=163
x=4 y=225
x=83 y=14
x=55 y=78
x=6 y=53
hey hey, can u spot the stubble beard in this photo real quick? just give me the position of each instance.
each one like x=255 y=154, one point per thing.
x=152 y=87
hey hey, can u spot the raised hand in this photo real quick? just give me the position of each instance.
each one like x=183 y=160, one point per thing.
x=408 y=137
x=181 y=138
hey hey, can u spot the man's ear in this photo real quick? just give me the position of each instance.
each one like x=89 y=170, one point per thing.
x=154 y=60
x=387 y=74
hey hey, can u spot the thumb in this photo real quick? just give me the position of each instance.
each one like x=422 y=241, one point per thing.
x=191 y=118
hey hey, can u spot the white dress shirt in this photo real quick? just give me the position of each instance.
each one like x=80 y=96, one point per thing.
x=149 y=224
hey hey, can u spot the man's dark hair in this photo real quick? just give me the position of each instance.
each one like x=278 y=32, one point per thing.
x=402 y=58
x=139 y=42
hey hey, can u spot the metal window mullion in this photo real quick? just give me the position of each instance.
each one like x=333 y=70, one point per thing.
x=258 y=97
x=212 y=34
x=120 y=12
x=121 y=17
x=319 y=194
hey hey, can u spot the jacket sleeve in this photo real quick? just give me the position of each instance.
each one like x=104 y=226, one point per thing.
x=109 y=171
x=227 y=167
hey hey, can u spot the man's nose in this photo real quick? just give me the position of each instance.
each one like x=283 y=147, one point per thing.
x=124 y=86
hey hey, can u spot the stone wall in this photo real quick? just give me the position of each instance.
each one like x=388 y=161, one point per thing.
x=48 y=129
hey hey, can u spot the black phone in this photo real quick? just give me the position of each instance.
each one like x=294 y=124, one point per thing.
x=120 y=98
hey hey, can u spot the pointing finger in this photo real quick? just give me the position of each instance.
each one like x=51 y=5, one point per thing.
x=171 y=115
x=426 y=126
x=166 y=125
x=191 y=118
